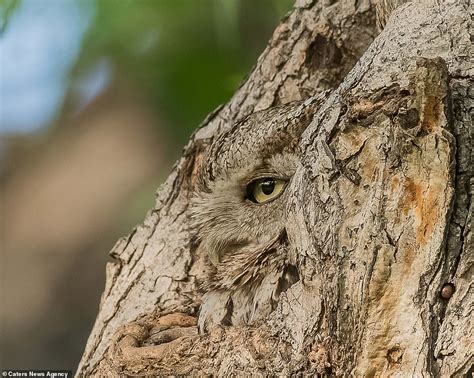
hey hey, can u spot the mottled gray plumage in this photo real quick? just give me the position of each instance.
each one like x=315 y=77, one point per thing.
x=249 y=260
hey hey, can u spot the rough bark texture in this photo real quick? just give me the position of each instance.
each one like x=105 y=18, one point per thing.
x=381 y=205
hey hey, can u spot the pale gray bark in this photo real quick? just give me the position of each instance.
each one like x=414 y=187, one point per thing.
x=381 y=203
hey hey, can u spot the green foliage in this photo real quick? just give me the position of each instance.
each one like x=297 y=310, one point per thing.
x=186 y=56
x=6 y=9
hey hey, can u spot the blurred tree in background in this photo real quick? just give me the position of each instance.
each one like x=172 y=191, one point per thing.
x=186 y=56
x=96 y=100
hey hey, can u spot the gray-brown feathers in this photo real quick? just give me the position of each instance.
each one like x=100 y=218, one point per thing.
x=250 y=260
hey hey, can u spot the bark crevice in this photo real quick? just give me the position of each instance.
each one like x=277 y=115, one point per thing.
x=381 y=203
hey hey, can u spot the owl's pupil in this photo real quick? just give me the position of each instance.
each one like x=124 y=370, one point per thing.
x=268 y=186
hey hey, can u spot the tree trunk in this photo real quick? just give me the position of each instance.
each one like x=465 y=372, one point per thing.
x=381 y=203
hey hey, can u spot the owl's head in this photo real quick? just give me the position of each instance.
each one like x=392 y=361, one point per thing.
x=239 y=209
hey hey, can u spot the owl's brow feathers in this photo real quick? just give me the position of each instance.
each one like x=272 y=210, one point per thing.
x=258 y=136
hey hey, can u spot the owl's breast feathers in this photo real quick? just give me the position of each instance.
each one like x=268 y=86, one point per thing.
x=244 y=287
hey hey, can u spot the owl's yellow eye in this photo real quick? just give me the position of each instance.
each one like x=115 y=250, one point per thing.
x=265 y=189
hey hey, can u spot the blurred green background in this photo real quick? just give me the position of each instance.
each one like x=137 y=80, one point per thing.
x=97 y=99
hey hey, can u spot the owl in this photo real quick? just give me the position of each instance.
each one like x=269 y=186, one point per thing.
x=239 y=214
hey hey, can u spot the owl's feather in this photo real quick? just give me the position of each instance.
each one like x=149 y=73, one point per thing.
x=249 y=259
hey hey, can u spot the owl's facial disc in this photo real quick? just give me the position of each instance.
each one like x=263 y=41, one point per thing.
x=265 y=189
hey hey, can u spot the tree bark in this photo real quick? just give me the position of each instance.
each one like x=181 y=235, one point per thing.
x=381 y=205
